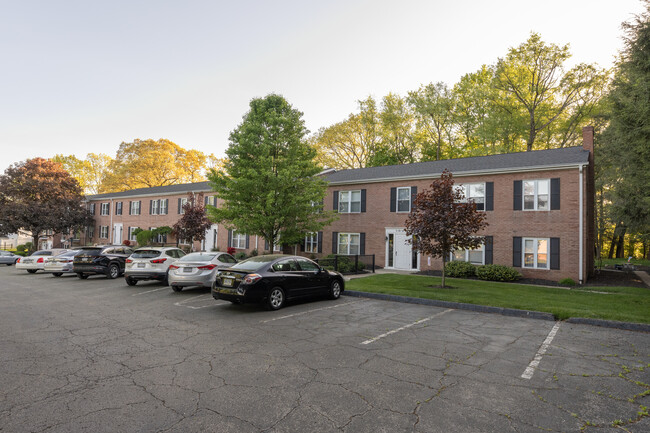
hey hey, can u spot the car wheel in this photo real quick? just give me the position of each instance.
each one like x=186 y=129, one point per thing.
x=165 y=281
x=31 y=271
x=113 y=271
x=57 y=274
x=82 y=276
x=177 y=288
x=131 y=281
x=335 y=289
x=276 y=299
x=9 y=264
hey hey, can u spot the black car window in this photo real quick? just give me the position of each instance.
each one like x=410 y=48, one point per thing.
x=109 y=251
x=170 y=253
x=145 y=254
x=307 y=265
x=285 y=266
x=128 y=250
x=227 y=258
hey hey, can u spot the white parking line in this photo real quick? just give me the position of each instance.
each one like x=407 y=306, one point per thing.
x=150 y=291
x=372 y=340
x=308 y=311
x=205 y=297
x=530 y=370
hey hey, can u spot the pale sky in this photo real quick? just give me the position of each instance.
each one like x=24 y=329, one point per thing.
x=83 y=76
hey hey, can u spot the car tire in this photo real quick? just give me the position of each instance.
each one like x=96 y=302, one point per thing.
x=57 y=274
x=177 y=288
x=9 y=264
x=113 y=271
x=335 y=289
x=31 y=271
x=131 y=281
x=82 y=276
x=165 y=281
x=276 y=299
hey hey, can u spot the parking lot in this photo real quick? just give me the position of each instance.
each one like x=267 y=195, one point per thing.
x=98 y=355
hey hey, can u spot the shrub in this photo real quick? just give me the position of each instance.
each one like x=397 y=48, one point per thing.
x=240 y=256
x=254 y=253
x=126 y=242
x=497 y=273
x=459 y=269
x=344 y=263
x=567 y=282
x=23 y=248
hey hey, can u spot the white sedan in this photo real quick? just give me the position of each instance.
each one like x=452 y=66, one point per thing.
x=36 y=261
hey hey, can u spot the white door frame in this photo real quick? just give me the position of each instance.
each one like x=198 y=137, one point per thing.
x=116 y=227
x=405 y=249
x=212 y=231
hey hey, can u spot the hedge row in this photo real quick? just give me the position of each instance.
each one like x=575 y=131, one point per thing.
x=484 y=272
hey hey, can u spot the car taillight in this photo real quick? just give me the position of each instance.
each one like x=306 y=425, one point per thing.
x=159 y=260
x=173 y=267
x=252 y=278
x=129 y=261
x=209 y=267
x=40 y=260
x=18 y=261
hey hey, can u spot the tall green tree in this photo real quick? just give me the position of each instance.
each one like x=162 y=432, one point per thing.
x=39 y=195
x=627 y=138
x=434 y=110
x=269 y=187
x=399 y=139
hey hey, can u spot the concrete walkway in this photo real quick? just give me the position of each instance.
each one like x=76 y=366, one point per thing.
x=645 y=277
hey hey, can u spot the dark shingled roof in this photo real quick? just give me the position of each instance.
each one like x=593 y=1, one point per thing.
x=522 y=161
x=156 y=190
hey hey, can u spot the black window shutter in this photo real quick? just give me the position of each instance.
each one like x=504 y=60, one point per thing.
x=266 y=245
x=555 y=193
x=336 y=200
x=363 y=200
x=555 y=253
x=516 y=252
x=414 y=193
x=179 y=208
x=393 y=199
x=517 y=195
x=489 y=196
x=205 y=199
x=215 y=200
x=130 y=207
x=320 y=242
x=229 y=233
x=166 y=208
x=488 y=250
x=335 y=242
x=302 y=245
x=248 y=241
x=150 y=207
x=128 y=233
x=362 y=244
x=139 y=207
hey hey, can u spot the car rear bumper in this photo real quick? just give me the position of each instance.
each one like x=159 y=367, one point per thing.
x=89 y=269
x=58 y=268
x=190 y=280
x=228 y=294
x=147 y=275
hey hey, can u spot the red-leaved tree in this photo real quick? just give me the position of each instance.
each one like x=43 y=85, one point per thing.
x=441 y=222
x=194 y=221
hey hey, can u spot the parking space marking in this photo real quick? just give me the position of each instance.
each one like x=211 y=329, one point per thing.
x=308 y=311
x=530 y=370
x=372 y=340
x=150 y=291
x=204 y=297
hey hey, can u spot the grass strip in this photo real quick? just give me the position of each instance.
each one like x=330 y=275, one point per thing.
x=626 y=304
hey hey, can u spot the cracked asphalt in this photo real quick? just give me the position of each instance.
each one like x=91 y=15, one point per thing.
x=97 y=355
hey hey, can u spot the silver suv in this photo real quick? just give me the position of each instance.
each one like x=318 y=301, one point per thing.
x=150 y=263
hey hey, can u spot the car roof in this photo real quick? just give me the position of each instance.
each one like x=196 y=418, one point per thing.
x=156 y=248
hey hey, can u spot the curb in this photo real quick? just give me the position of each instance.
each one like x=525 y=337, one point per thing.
x=511 y=312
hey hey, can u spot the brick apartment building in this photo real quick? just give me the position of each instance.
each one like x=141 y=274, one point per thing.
x=539 y=205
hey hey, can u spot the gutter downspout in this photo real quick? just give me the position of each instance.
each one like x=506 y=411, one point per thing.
x=581 y=228
x=110 y=212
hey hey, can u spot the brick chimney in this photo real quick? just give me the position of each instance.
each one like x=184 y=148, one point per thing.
x=588 y=139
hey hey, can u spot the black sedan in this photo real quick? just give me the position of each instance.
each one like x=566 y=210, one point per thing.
x=275 y=278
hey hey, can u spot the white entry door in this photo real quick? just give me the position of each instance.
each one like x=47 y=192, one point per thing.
x=117 y=234
x=210 y=240
x=399 y=254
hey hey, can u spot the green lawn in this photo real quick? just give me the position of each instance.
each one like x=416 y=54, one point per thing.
x=638 y=262
x=628 y=304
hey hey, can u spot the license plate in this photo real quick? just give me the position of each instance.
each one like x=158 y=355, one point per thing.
x=187 y=270
x=85 y=259
x=227 y=282
x=140 y=265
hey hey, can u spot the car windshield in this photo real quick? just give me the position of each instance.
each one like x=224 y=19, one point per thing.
x=197 y=257
x=42 y=253
x=145 y=254
x=254 y=263
x=70 y=253
x=91 y=251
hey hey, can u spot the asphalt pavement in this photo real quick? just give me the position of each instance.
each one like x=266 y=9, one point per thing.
x=97 y=355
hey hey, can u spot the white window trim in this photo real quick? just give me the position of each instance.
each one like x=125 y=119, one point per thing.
x=349 y=201
x=105 y=209
x=466 y=188
x=132 y=237
x=135 y=207
x=238 y=240
x=535 y=264
x=163 y=206
x=536 y=195
x=349 y=235
x=481 y=248
x=397 y=200
x=103 y=232
x=155 y=205
x=183 y=202
x=311 y=242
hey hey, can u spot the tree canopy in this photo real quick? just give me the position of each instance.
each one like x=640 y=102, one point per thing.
x=40 y=195
x=269 y=187
x=442 y=221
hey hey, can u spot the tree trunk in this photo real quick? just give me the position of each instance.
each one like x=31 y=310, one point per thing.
x=531 y=133
x=444 y=262
x=620 y=250
x=612 y=245
x=34 y=246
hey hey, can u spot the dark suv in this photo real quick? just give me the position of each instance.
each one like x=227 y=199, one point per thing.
x=108 y=260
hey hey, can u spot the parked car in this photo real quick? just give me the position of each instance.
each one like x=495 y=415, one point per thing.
x=36 y=261
x=150 y=263
x=273 y=279
x=8 y=258
x=198 y=269
x=60 y=264
x=108 y=260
